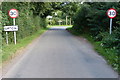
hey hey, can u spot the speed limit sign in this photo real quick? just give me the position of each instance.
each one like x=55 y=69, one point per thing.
x=13 y=13
x=111 y=13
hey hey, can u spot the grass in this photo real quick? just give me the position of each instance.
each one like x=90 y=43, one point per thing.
x=49 y=26
x=9 y=50
x=109 y=54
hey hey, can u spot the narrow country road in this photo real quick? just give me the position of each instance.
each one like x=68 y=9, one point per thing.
x=58 y=54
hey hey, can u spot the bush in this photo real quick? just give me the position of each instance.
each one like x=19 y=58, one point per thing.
x=27 y=22
x=91 y=19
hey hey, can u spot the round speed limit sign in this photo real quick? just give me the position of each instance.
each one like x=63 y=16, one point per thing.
x=13 y=13
x=111 y=13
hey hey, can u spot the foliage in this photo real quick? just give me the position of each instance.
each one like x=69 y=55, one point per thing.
x=70 y=8
x=63 y=10
x=0 y=33
x=28 y=22
x=44 y=9
x=88 y=18
x=91 y=19
x=30 y=26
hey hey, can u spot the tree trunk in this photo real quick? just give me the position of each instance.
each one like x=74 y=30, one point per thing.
x=66 y=20
x=70 y=22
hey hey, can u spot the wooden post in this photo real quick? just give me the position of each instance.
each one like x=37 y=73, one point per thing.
x=6 y=37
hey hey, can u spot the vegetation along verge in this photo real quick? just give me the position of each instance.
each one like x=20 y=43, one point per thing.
x=92 y=22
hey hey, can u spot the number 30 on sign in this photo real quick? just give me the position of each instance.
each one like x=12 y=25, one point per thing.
x=13 y=13
x=111 y=13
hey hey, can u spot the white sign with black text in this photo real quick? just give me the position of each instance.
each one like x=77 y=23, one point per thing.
x=10 y=28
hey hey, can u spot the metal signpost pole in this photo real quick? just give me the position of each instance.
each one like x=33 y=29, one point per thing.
x=110 y=25
x=14 y=31
x=111 y=13
x=13 y=13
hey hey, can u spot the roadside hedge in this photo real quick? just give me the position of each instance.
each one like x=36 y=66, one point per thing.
x=91 y=19
x=28 y=22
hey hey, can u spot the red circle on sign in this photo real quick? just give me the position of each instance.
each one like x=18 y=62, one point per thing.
x=111 y=9
x=15 y=15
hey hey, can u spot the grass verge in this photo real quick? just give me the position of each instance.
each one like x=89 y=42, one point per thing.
x=49 y=26
x=9 y=50
x=110 y=55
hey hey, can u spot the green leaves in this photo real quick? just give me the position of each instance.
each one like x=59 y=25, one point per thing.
x=92 y=19
x=28 y=22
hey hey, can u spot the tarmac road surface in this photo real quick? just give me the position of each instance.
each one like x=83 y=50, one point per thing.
x=58 y=54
